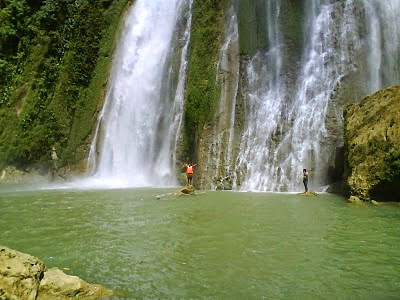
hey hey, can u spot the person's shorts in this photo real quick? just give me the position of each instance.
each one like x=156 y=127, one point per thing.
x=189 y=176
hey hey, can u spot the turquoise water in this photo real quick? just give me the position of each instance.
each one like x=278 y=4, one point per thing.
x=214 y=245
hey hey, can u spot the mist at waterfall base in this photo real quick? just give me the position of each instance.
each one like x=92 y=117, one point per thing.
x=289 y=114
x=136 y=137
x=286 y=127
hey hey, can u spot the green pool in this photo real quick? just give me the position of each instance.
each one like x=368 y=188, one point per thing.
x=148 y=243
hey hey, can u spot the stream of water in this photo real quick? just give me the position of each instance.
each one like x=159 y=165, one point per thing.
x=151 y=244
x=351 y=48
x=136 y=138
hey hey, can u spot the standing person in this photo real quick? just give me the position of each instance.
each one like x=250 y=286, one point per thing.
x=305 y=180
x=189 y=173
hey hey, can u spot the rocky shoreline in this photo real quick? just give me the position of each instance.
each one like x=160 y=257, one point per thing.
x=23 y=276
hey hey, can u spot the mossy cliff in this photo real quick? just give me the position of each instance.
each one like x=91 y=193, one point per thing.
x=55 y=58
x=214 y=161
x=372 y=146
x=253 y=23
x=202 y=90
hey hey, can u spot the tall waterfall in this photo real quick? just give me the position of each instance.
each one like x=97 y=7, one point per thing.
x=136 y=138
x=351 y=48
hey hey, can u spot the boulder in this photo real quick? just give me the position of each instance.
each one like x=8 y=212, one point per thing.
x=375 y=202
x=372 y=134
x=58 y=285
x=187 y=190
x=23 y=276
x=20 y=274
x=354 y=200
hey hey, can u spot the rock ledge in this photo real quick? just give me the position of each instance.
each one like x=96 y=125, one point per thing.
x=23 y=276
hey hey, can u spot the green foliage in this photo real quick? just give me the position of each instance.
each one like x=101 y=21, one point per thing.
x=392 y=165
x=54 y=60
x=202 y=91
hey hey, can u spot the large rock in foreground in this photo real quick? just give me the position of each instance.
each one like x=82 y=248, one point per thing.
x=372 y=146
x=58 y=285
x=23 y=276
x=20 y=275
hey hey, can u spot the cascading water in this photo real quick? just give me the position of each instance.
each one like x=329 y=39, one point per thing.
x=135 y=142
x=265 y=98
x=348 y=43
x=383 y=43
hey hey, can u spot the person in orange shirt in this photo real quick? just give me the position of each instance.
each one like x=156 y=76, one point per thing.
x=189 y=173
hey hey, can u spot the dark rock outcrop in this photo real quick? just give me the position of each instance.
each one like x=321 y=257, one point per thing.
x=23 y=276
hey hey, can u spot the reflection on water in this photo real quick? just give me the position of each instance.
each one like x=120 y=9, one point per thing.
x=213 y=245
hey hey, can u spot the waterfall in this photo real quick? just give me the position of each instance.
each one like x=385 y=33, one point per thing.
x=136 y=137
x=351 y=48
x=383 y=43
x=266 y=96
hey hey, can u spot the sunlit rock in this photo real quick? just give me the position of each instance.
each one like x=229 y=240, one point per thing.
x=187 y=190
x=372 y=135
x=20 y=274
x=58 y=285
x=354 y=200
x=23 y=276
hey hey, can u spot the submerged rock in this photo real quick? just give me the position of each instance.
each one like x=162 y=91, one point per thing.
x=187 y=190
x=23 y=276
x=372 y=147
x=375 y=202
x=308 y=194
x=354 y=200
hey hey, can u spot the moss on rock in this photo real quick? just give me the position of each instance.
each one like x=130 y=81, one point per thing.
x=372 y=146
x=253 y=29
x=56 y=68
x=202 y=89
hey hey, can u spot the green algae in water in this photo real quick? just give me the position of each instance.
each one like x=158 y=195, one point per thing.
x=219 y=245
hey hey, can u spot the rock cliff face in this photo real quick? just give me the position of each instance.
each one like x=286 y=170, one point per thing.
x=298 y=63
x=248 y=60
x=55 y=58
x=243 y=43
x=372 y=146
x=23 y=276
x=219 y=136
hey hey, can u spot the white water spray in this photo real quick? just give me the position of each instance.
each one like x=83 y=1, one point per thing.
x=344 y=38
x=135 y=142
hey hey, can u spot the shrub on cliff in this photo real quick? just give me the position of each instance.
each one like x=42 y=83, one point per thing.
x=55 y=58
